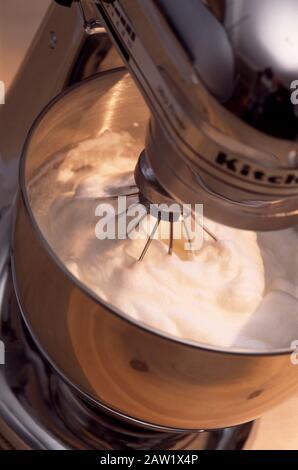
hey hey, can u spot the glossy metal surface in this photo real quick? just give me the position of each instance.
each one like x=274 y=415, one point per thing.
x=118 y=363
x=224 y=129
x=38 y=410
x=65 y=50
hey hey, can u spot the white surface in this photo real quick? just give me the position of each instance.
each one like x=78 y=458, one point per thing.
x=278 y=429
x=19 y=20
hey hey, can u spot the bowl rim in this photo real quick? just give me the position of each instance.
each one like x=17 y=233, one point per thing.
x=122 y=71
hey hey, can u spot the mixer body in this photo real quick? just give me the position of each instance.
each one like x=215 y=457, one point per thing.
x=115 y=362
x=218 y=77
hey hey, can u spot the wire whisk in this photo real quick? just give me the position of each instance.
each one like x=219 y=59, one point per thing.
x=160 y=214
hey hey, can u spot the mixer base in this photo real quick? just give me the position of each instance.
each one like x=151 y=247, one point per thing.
x=38 y=410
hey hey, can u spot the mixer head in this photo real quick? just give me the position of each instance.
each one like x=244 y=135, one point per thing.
x=149 y=196
x=218 y=77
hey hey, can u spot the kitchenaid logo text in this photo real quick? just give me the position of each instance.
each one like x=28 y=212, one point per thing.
x=2 y=92
x=124 y=220
x=117 y=16
x=234 y=165
x=2 y=353
x=121 y=21
x=244 y=169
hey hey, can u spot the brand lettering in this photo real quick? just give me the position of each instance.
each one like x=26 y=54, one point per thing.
x=244 y=169
x=123 y=21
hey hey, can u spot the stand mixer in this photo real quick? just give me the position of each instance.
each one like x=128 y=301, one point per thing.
x=186 y=64
x=95 y=378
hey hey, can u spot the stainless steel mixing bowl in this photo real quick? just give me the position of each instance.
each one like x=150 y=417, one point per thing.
x=114 y=361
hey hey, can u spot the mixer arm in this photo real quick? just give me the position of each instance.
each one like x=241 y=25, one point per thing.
x=183 y=61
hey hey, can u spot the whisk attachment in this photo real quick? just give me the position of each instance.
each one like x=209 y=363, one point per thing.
x=150 y=238
x=171 y=242
x=155 y=202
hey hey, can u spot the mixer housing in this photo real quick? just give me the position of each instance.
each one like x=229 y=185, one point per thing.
x=200 y=144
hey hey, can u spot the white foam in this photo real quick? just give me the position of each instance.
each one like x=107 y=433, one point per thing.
x=240 y=291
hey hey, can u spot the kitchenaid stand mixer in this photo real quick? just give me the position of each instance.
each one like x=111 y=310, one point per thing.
x=253 y=189
x=187 y=64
